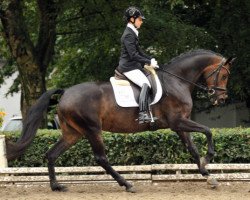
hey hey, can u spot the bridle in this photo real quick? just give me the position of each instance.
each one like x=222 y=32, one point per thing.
x=211 y=91
x=216 y=73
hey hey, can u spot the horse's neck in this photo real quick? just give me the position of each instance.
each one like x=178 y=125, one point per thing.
x=193 y=68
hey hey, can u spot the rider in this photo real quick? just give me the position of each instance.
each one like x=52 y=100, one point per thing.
x=133 y=59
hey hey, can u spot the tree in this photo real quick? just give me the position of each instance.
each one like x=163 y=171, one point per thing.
x=32 y=51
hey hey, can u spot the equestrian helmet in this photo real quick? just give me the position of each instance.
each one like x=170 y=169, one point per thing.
x=133 y=12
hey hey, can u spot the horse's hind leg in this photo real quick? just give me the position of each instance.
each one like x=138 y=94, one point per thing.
x=59 y=148
x=53 y=153
x=98 y=148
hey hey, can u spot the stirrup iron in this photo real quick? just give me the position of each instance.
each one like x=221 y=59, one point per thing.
x=143 y=118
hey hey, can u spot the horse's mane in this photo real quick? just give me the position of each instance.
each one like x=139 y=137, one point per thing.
x=189 y=54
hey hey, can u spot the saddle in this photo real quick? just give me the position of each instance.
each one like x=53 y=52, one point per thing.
x=127 y=93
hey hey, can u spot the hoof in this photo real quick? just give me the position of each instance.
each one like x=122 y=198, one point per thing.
x=131 y=189
x=212 y=182
x=59 y=188
x=204 y=172
x=203 y=162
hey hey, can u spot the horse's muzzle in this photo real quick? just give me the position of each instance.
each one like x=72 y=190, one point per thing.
x=218 y=99
x=221 y=101
x=217 y=95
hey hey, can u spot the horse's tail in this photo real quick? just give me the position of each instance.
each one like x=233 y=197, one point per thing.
x=30 y=125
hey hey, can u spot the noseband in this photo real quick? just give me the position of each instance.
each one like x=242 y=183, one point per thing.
x=216 y=73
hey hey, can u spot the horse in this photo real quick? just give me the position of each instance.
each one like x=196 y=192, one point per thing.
x=87 y=109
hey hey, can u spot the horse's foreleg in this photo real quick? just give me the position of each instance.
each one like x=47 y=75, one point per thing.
x=186 y=125
x=188 y=142
x=53 y=153
x=98 y=148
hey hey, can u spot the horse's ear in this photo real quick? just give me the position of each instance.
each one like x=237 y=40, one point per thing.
x=233 y=59
x=230 y=60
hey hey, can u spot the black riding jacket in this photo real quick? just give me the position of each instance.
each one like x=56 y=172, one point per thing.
x=132 y=57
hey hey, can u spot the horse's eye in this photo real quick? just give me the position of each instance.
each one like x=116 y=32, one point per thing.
x=224 y=77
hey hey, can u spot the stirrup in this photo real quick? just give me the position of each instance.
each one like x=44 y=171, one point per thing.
x=144 y=118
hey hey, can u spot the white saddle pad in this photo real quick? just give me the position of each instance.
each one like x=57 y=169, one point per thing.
x=124 y=95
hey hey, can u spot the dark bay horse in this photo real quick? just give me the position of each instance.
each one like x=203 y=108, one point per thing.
x=86 y=109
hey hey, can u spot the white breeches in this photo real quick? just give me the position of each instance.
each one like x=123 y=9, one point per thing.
x=137 y=77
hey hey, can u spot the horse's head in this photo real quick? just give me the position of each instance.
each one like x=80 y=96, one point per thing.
x=216 y=76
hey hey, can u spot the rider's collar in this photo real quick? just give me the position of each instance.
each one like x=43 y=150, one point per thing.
x=133 y=28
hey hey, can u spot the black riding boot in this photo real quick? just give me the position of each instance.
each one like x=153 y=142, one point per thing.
x=144 y=105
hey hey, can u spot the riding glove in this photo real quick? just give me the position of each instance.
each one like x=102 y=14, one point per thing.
x=154 y=63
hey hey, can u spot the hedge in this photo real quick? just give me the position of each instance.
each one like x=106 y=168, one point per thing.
x=161 y=146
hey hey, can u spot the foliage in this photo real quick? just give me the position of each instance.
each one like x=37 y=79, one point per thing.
x=161 y=146
x=2 y=115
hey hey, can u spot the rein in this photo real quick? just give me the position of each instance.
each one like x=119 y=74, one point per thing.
x=213 y=89
x=183 y=79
